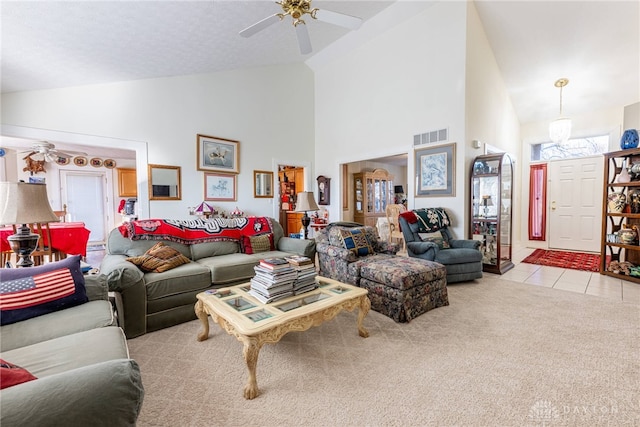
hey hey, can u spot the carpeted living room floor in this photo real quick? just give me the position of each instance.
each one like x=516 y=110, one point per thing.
x=502 y=353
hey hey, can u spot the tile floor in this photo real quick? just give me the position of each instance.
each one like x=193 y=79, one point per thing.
x=583 y=282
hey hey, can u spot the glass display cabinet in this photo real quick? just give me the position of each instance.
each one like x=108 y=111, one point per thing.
x=491 y=194
x=373 y=191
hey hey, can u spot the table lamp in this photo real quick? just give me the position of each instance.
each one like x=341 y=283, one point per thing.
x=305 y=202
x=22 y=203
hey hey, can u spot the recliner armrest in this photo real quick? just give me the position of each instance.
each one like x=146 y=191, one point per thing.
x=469 y=244
x=420 y=248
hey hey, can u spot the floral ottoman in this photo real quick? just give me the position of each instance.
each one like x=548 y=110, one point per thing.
x=404 y=288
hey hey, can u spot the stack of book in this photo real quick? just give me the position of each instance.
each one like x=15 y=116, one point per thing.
x=306 y=273
x=274 y=280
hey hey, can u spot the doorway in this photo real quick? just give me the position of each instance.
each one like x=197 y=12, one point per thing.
x=85 y=194
x=575 y=209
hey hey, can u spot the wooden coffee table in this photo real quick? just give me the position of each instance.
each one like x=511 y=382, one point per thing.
x=255 y=324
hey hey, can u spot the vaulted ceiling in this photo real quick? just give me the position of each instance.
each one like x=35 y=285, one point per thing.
x=50 y=44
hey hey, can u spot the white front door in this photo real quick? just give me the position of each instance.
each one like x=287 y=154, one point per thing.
x=575 y=204
x=86 y=199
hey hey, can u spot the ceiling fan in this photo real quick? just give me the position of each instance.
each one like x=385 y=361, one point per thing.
x=297 y=9
x=44 y=150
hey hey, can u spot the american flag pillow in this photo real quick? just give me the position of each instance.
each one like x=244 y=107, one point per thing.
x=34 y=291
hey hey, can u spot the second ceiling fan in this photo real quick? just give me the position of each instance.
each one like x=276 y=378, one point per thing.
x=297 y=9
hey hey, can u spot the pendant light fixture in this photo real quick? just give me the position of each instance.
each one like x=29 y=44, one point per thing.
x=560 y=128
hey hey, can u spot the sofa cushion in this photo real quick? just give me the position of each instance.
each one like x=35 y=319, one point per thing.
x=71 y=351
x=83 y=317
x=34 y=291
x=231 y=268
x=159 y=258
x=185 y=278
x=11 y=374
x=257 y=243
x=435 y=237
x=204 y=250
x=356 y=241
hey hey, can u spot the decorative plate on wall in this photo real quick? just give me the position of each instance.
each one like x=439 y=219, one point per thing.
x=96 y=162
x=109 y=163
x=63 y=161
x=80 y=161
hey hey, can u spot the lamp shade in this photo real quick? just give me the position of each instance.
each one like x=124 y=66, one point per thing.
x=560 y=130
x=305 y=202
x=23 y=203
x=398 y=189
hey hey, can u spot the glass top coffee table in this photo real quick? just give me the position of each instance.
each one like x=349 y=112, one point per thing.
x=254 y=323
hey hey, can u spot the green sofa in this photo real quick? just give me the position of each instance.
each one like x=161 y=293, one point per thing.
x=153 y=301
x=82 y=365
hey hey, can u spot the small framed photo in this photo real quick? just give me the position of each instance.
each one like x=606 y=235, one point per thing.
x=80 y=161
x=95 y=162
x=219 y=187
x=218 y=154
x=435 y=171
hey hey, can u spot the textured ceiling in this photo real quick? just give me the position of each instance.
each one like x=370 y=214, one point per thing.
x=60 y=43
x=49 y=44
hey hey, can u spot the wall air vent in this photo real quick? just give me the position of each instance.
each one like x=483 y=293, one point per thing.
x=431 y=137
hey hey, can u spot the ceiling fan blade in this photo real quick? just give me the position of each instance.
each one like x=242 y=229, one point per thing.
x=347 y=21
x=303 y=38
x=260 y=25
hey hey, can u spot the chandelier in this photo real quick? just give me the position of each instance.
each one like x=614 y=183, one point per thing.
x=560 y=128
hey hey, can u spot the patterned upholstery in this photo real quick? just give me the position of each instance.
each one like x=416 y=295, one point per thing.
x=399 y=287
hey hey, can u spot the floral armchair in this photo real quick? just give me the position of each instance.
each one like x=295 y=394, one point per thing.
x=343 y=248
x=427 y=236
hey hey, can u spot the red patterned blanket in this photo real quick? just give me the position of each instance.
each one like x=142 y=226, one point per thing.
x=189 y=232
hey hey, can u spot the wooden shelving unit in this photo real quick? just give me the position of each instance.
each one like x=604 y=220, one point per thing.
x=612 y=222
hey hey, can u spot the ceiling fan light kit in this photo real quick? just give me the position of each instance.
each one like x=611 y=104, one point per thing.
x=560 y=129
x=297 y=9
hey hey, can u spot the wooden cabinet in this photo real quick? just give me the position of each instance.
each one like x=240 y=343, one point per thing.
x=127 y=183
x=373 y=191
x=491 y=197
x=294 y=222
x=622 y=184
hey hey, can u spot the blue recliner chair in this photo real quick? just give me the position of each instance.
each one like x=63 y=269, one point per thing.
x=427 y=236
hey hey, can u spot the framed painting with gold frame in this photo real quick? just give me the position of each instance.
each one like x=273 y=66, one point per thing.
x=218 y=154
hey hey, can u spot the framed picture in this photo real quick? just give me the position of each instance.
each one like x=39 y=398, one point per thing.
x=95 y=162
x=109 y=163
x=80 y=161
x=435 y=171
x=218 y=154
x=219 y=187
x=263 y=184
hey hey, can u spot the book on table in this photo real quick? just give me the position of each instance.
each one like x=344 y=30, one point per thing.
x=274 y=263
x=299 y=260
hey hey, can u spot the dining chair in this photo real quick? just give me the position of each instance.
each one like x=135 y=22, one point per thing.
x=393 y=211
x=62 y=214
x=44 y=248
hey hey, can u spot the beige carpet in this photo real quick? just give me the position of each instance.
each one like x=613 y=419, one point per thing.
x=502 y=354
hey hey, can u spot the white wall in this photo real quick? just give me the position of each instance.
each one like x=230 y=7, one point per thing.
x=490 y=116
x=408 y=80
x=270 y=110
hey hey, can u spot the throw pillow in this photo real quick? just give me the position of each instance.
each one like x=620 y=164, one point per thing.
x=356 y=241
x=11 y=375
x=159 y=258
x=257 y=243
x=34 y=291
x=431 y=219
x=435 y=237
